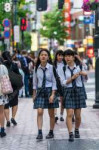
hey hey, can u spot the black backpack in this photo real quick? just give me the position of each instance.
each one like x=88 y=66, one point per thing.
x=58 y=82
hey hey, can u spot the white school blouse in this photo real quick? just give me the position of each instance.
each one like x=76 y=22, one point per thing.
x=38 y=77
x=67 y=75
x=59 y=68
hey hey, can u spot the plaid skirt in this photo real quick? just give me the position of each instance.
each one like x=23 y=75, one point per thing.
x=42 y=99
x=74 y=98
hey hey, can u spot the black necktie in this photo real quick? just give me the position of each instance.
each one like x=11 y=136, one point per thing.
x=44 y=78
x=73 y=81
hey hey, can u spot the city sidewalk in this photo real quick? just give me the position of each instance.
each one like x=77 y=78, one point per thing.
x=23 y=136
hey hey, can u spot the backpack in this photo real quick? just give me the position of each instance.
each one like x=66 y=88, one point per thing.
x=58 y=82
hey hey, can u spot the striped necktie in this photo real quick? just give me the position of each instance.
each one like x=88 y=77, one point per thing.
x=73 y=81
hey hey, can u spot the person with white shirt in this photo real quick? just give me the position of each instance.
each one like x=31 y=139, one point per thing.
x=44 y=89
x=74 y=97
x=3 y=99
x=59 y=64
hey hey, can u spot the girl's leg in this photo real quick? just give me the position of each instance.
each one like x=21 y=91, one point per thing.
x=14 y=111
x=52 y=123
x=61 y=109
x=77 y=122
x=56 y=116
x=78 y=118
x=69 y=123
x=7 y=114
x=40 y=112
x=2 y=116
x=2 y=121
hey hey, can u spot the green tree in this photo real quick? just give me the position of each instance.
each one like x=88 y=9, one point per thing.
x=53 y=26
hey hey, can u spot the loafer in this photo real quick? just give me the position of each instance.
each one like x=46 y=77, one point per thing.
x=61 y=119
x=2 y=134
x=71 y=138
x=56 y=119
x=39 y=137
x=50 y=136
x=77 y=135
x=8 y=124
x=13 y=121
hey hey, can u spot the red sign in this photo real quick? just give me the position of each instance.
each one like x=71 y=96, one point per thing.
x=90 y=53
x=67 y=8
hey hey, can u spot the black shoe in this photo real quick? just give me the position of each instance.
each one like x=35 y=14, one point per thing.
x=50 y=136
x=77 y=135
x=56 y=119
x=71 y=138
x=2 y=134
x=61 y=119
x=39 y=137
x=8 y=124
x=13 y=121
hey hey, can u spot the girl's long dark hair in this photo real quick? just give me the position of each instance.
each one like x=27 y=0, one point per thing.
x=7 y=57
x=38 y=60
x=59 y=52
x=72 y=53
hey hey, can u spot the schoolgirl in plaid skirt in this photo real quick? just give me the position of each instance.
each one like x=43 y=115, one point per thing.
x=44 y=89
x=74 y=97
x=59 y=64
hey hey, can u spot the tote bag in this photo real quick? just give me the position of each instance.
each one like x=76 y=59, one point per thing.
x=6 y=87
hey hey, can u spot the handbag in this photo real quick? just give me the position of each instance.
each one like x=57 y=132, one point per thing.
x=6 y=87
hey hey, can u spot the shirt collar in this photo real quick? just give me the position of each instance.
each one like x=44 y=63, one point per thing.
x=73 y=67
x=47 y=66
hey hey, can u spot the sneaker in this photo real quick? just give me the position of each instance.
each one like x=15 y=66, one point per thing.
x=71 y=138
x=56 y=119
x=8 y=124
x=77 y=135
x=2 y=134
x=13 y=121
x=50 y=136
x=61 y=119
x=39 y=137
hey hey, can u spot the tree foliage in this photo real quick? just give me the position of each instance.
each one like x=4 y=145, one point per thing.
x=53 y=26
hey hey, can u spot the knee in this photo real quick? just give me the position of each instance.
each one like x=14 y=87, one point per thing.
x=70 y=115
x=40 y=112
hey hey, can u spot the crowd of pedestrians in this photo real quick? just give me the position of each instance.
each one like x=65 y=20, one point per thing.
x=50 y=82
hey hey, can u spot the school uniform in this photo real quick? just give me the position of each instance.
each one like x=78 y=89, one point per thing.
x=44 y=82
x=59 y=68
x=74 y=96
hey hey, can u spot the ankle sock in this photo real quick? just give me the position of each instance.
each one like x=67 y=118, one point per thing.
x=51 y=131
x=40 y=131
x=70 y=133
x=2 y=130
x=76 y=130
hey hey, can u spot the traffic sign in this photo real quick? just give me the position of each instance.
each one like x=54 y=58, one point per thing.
x=7 y=7
x=6 y=34
x=6 y=23
x=16 y=33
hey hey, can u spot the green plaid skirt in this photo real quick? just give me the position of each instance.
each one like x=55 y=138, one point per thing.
x=74 y=98
x=42 y=99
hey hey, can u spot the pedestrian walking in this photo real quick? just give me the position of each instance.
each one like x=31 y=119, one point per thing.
x=13 y=99
x=44 y=89
x=3 y=99
x=74 y=98
x=59 y=64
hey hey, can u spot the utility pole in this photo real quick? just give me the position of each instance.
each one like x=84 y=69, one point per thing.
x=96 y=51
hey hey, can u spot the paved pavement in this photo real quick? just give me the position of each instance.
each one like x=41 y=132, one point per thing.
x=23 y=136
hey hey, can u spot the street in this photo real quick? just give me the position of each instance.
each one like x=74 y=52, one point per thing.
x=23 y=136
